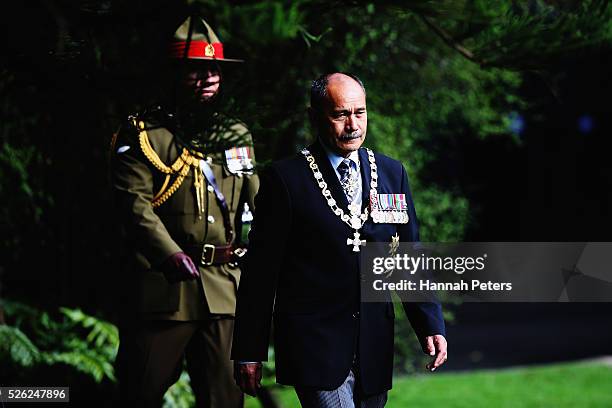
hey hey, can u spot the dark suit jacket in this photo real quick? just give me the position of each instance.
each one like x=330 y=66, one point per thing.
x=300 y=270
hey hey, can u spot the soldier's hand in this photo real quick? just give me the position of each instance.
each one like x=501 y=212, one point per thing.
x=248 y=377
x=436 y=347
x=179 y=267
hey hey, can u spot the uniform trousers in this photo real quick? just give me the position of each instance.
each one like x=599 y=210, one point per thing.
x=151 y=355
x=345 y=396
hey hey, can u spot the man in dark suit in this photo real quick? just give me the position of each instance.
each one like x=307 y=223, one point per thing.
x=302 y=267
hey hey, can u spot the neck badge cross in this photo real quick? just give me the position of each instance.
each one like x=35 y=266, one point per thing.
x=356 y=242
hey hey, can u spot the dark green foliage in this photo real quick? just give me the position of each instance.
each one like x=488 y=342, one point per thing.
x=17 y=348
x=36 y=345
x=180 y=394
x=34 y=338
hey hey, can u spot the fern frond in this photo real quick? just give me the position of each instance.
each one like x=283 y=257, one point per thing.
x=15 y=346
x=88 y=362
x=103 y=335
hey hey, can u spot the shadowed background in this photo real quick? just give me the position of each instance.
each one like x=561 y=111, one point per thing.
x=499 y=110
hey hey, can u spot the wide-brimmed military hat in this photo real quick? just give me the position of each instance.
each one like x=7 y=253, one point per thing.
x=195 y=40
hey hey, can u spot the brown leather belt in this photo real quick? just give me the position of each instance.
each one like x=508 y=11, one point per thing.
x=208 y=254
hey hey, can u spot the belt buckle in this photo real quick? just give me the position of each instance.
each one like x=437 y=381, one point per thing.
x=238 y=253
x=203 y=259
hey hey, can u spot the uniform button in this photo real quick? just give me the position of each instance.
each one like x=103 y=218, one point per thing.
x=356 y=315
x=211 y=219
x=210 y=189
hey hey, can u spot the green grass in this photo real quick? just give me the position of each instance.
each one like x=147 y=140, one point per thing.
x=576 y=385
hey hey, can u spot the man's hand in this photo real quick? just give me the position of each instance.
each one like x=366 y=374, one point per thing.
x=248 y=377
x=435 y=346
x=179 y=267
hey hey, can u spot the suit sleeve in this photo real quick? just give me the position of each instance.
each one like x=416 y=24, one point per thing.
x=257 y=291
x=425 y=317
x=132 y=183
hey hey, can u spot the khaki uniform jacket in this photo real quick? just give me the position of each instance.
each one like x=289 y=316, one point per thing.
x=156 y=233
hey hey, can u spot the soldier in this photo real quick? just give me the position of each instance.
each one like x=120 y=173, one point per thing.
x=182 y=208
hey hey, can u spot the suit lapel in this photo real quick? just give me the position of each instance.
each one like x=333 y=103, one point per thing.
x=329 y=175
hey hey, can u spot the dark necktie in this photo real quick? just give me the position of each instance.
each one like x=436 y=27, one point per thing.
x=344 y=171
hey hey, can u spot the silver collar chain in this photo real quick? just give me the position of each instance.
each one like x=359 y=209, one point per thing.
x=355 y=220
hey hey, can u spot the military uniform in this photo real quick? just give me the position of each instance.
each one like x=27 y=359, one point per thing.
x=168 y=204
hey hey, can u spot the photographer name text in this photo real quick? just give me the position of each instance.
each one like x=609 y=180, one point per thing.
x=428 y=285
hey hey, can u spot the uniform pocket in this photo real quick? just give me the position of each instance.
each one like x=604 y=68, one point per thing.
x=158 y=296
x=233 y=273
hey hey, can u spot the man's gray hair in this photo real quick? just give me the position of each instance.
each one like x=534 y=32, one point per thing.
x=318 y=89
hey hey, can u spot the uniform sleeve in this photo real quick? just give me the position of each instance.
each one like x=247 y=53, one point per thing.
x=250 y=186
x=132 y=183
x=251 y=182
x=258 y=283
x=249 y=190
x=425 y=317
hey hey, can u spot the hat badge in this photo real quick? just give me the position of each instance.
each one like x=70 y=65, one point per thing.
x=196 y=40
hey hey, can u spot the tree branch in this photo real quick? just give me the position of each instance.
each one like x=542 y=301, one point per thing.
x=448 y=39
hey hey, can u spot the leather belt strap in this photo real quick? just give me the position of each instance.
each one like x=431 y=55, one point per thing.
x=210 y=178
x=208 y=254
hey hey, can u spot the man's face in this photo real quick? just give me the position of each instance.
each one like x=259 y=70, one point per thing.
x=343 y=122
x=199 y=81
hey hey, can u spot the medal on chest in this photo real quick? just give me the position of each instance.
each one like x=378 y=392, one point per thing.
x=238 y=160
x=389 y=208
